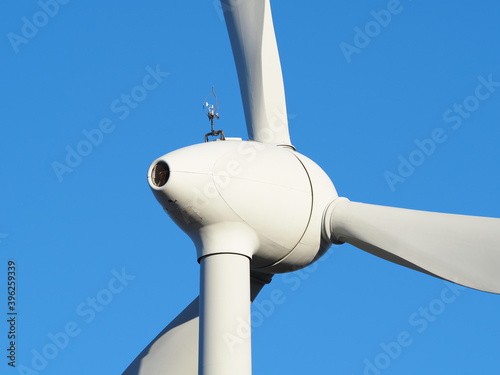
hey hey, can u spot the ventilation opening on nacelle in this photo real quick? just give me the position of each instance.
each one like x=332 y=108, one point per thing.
x=160 y=174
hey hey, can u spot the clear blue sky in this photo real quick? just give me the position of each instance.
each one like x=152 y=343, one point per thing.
x=358 y=106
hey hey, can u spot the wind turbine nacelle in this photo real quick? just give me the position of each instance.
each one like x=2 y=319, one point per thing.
x=260 y=200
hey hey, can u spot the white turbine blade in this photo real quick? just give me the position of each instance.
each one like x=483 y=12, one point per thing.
x=175 y=349
x=462 y=249
x=251 y=31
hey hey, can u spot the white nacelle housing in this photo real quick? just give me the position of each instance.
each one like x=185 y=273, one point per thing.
x=245 y=197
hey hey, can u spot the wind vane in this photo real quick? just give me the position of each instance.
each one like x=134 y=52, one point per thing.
x=212 y=112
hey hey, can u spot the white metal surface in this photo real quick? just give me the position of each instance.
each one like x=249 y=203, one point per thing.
x=225 y=333
x=251 y=31
x=312 y=244
x=459 y=248
x=265 y=200
x=174 y=350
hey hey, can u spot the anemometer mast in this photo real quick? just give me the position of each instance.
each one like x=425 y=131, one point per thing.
x=212 y=112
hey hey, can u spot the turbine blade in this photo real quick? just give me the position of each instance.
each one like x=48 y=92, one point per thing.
x=462 y=249
x=175 y=349
x=251 y=32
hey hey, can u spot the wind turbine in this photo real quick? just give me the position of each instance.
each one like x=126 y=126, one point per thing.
x=255 y=208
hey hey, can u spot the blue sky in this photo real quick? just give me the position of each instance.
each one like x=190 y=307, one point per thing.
x=364 y=89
